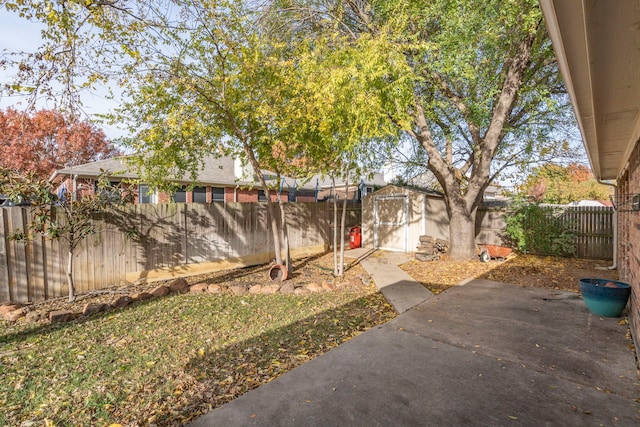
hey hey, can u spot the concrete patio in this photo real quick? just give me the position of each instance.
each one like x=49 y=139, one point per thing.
x=485 y=353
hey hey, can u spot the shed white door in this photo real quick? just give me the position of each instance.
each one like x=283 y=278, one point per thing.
x=390 y=222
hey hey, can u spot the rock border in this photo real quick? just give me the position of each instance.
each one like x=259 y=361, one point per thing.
x=12 y=312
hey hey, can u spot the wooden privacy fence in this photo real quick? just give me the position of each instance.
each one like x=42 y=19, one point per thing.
x=134 y=241
x=591 y=225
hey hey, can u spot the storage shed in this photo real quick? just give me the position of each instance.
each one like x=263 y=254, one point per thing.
x=394 y=218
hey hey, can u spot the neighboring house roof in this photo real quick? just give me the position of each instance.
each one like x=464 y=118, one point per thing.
x=494 y=191
x=424 y=180
x=216 y=171
x=225 y=171
x=115 y=165
x=587 y=203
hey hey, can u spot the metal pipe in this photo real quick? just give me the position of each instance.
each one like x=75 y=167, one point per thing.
x=615 y=224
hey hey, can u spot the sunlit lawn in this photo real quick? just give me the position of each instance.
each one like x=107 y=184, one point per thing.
x=168 y=360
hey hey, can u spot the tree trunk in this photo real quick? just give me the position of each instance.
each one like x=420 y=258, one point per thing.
x=335 y=229
x=462 y=233
x=343 y=221
x=273 y=217
x=72 y=294
x=285 y=236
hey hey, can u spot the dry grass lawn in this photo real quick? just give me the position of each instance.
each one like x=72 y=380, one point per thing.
x=525 y=270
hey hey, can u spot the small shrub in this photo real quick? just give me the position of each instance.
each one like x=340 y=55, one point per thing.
x=543 y=230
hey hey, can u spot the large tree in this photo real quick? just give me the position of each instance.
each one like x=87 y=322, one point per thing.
x=485 y=90
x=227 y=77
x=48 y=140
x=487 y=94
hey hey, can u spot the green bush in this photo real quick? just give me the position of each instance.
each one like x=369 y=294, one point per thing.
x=542 y=230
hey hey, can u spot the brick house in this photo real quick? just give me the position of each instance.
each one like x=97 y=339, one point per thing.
x=597 y=45
x=223 y=179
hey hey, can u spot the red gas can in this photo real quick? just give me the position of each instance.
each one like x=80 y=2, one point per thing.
x=355 y=237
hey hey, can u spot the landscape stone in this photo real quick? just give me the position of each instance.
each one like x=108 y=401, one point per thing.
x=270 y=289
x=4 y=309
x=141 y=296
x=366 y=279
x=238 y=290
x=14 y=315
x=287 y=288
x=160 y=291
x=356 y=281
x=91 y=309
x=199 y=288
x=123 y=301
x=61 y=316
x=255 y=289
x=35 y=316
x=214 y=289
x=301 y=291
x=327 y=286
x=179 y=286
x=314 y=287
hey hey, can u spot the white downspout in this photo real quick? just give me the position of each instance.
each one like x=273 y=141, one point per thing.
x=615 y=224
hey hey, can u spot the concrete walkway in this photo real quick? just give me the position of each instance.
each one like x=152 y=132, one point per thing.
x=486 y=354
x=398 y=287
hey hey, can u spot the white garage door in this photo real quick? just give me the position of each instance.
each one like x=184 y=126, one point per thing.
x=390 y=222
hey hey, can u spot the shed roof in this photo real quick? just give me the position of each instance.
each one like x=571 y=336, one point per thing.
x=390 y=188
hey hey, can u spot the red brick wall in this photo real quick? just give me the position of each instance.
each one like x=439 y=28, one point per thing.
x=303 y=199
x=164 y=197
x=229 y=194
x=248 y=196
x=244 y=195
x=629 y=237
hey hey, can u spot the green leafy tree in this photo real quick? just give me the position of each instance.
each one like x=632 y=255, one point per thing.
x=474 y=86
x=215 y=88
x=63 y=215
x=486 y=92
x=209 y=77
x=349 y=88
x=532 y=228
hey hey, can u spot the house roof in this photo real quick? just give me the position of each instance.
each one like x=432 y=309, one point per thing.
x=597 y=44
x=325 y=181
x=217 y=171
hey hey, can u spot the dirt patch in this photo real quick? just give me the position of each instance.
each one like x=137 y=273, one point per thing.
x=525 y=270
x=306 y=271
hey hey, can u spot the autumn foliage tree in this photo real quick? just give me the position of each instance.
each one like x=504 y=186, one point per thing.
x=48 y=140
x=558 y=184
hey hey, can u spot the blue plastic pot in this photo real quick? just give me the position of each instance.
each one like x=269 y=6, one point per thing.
x=602 y=299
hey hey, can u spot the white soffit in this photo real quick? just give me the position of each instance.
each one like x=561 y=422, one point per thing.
x=597 y=43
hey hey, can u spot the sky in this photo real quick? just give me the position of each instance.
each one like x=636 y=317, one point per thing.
x=18 y=34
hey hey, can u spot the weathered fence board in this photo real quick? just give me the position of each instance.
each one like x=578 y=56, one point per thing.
x=5 y=289
x=593 y=226
x=140 y=238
